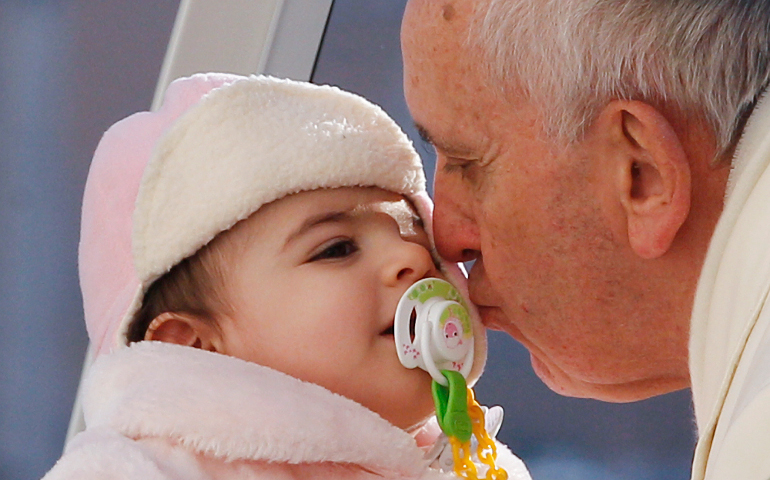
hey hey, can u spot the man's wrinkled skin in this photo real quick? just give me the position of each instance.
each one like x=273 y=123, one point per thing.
x=587 y=254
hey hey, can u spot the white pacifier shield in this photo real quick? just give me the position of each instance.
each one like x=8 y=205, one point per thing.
x=441 y=337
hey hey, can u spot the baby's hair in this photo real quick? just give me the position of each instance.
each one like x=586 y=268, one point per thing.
x=194 y=286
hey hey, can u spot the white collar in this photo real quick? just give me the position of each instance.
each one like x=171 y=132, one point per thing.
x=755 y=131
x=730 y=280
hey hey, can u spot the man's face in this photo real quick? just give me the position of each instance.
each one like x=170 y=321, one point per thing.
x=553 y=264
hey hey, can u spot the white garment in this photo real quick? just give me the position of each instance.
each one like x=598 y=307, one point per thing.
x=157 y=411
x=730 y=330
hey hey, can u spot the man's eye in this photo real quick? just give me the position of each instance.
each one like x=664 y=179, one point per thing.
x=457 y=165
x=338 y=249
x=453 y=167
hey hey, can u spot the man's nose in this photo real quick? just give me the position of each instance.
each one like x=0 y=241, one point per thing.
x=455 y=229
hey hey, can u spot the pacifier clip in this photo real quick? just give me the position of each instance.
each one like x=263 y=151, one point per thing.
x=460 y=417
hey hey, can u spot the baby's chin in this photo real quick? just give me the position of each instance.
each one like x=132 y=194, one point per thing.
x=424 y=428
x=414 y=423
x=418 y=420
x=413 y=414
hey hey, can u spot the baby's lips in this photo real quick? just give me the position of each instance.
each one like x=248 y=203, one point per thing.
x=388 y=331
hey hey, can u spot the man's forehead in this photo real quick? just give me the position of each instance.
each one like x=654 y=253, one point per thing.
x=447 y=14
x=436 y=54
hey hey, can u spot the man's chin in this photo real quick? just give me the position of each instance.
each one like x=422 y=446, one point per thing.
x=554 y=378
x=543 y=373
x=557 y=381
x=563 y=384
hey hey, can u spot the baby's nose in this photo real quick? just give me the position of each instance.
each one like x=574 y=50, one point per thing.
x=410 y=263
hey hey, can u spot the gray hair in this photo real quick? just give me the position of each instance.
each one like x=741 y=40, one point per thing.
x=709 y=58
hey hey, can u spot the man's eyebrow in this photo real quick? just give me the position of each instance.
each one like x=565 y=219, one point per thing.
x=314 y=221
x=443 y=147
x=423 y=133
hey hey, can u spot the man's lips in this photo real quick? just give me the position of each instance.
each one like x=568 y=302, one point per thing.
x=493 y=318
x=489 y=317
x=480 y=293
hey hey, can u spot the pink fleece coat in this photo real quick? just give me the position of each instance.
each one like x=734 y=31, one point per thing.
x=158 y=411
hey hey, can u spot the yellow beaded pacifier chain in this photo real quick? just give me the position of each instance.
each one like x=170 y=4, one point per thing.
x=460 y=417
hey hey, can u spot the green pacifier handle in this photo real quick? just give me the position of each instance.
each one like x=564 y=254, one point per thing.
x=452 y=406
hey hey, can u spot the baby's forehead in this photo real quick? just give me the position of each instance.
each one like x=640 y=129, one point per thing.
x=353 y=201
x=353 y=204
x=299 y=211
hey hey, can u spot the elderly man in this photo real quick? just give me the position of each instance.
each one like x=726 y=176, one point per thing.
x=606 y=165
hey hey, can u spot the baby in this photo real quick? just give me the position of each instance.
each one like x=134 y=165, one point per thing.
x=243 y=251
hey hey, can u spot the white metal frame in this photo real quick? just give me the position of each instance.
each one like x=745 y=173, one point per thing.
x=276 y=37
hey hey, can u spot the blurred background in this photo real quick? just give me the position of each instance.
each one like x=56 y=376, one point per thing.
x=68 y=70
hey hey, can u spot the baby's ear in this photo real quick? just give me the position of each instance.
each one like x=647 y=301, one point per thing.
x=182 y=329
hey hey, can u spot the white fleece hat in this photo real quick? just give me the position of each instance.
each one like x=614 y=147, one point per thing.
x=163 y=184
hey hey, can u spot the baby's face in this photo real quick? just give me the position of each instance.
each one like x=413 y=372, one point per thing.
x=315 y=291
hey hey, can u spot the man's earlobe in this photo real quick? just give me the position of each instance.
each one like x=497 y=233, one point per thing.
x=181 y=329
x=655 y=189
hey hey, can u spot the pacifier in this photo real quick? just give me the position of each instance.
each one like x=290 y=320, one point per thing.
x=433 y=329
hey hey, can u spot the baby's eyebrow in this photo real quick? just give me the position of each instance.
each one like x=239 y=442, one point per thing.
x=402 y=213
x=315 y=220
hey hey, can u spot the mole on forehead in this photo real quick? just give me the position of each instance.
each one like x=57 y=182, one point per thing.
x=448 y=11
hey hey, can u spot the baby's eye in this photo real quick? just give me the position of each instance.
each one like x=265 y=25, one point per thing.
x=338 y=249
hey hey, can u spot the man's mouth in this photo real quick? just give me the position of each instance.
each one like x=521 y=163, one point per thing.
x=488 y=317
x=479 y=289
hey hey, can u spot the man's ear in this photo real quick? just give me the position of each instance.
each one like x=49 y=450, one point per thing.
x=183 y=329
x=653 y=181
